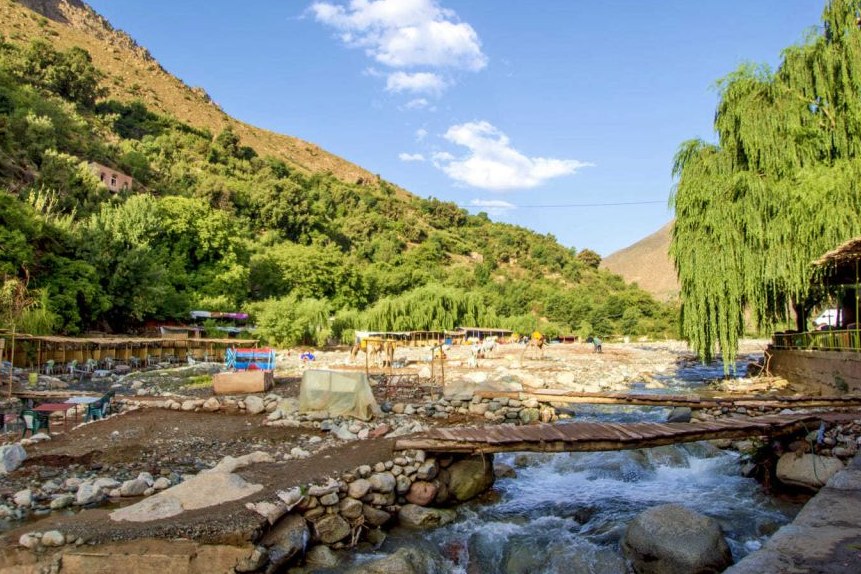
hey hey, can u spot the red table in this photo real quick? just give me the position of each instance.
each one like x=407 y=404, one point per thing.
x=55 y=408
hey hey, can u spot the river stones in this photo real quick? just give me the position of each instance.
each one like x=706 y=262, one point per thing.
x=414 y=516
x=808 y=470
x=375 y=516
x=321 y=557
x=358 y=488
x=383 y=482
x=670 y=538
x=469 y=477
x=23 y=498
x=286 y=539
x=11 y=457
x=680 y=415
x=331 y=528
x=254 y=405
x=350 y=508
x=403 y=561
x=134 y=487
x=422 y=493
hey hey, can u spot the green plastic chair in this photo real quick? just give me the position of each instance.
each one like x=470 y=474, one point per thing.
x=33 y=422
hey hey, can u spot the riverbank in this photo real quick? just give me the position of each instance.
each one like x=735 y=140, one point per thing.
x=172 y=431
x=825 y=537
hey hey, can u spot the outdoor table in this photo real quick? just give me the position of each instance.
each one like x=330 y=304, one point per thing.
x=55 y=408
x=81 y=400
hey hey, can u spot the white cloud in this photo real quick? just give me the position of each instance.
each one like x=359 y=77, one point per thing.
x=493 y=206
x=405 y=33
x=411 y=157
x=493 y=164
x=419 y=82
x=421 y=134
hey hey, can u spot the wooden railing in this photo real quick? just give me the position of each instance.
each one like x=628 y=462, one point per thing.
x=837 y=340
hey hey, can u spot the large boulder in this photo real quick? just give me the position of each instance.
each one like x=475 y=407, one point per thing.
x=414 y=516
x=286 y=539
x=671 y=539
x=470 y=477
x=403 y=561
x=332 y=528
x=680 y=415
x=808 y=470
x=11 y=457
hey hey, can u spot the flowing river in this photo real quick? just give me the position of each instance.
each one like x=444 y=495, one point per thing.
x=568 y=512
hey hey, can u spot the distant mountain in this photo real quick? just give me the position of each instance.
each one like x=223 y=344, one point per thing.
x=647 y=263
x=134 y=75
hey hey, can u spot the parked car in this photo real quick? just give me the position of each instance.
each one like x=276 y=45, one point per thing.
x=828 y=318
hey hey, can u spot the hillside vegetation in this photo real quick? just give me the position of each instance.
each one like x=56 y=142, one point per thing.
x=218 y=221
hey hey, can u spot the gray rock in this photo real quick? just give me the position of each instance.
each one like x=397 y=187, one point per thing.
x=134 y=487
x=53 y=538
x=321 y=557
x=470 y=477
x=11 y=457
x=332 y=528
x=528 y=416
x=88 y=494
x=30 y=540
x=211 y=404
x=680 y=415
x=329 y=499
x=428 y=470
x=358 y=488
x=23 y=498
x=670 y=538
x=403 y=484
x=106 y=483
x=403 y=561
x=62 y=501
x=254 y=405
x=808 y=470
x=254 y=561
x=383 y=482
x=415 y=516
x=375 y=516
x=161 y=483
x=286 y=539
x=350 y=508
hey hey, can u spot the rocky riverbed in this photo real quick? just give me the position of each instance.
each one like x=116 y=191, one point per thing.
x=171 y=432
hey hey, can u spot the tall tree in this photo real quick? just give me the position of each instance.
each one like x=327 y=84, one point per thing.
x=781 y=186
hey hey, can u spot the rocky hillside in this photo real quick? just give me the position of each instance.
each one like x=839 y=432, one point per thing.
x=132 y=74
x=647 y=263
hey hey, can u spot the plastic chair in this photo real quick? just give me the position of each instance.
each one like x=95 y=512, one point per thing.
x=33 y=422
x=49 y=367
x=72 y=367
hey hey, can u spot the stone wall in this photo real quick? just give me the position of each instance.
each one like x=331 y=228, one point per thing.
x=823 y=372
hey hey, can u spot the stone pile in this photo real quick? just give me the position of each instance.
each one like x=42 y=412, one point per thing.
x=409 y=490
x=512 y=410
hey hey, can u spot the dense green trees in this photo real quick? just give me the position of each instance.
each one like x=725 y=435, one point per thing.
x=212 y=225
x=779 y=189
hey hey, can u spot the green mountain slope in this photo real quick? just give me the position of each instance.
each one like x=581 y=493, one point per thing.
x=221 y=218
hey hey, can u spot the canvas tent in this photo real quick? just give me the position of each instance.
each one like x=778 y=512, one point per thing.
x=339 y=393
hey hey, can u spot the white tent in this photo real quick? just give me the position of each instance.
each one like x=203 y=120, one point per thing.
x=339 y=393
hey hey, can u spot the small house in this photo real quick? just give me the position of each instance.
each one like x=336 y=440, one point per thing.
x=114 y=180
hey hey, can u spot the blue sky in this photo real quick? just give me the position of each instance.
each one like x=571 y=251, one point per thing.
x=533 y=111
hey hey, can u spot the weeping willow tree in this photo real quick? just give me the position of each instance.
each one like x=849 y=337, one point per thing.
x=781 y=186
x=431 y=307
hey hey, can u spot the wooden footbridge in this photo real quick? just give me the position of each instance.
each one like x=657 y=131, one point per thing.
x=594 y=436
x=676 y=400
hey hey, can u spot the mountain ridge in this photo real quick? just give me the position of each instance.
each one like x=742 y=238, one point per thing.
x=67 y=23
x=647 y=263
